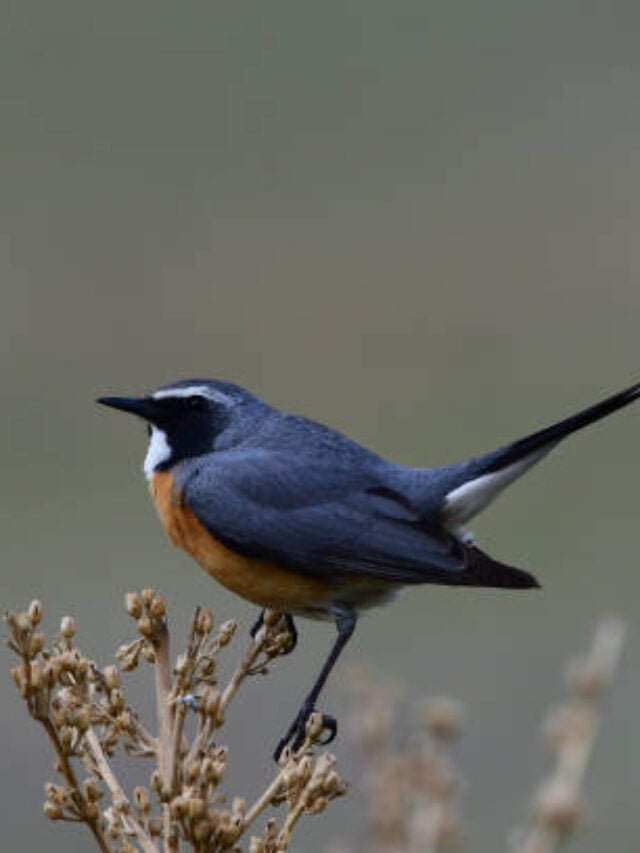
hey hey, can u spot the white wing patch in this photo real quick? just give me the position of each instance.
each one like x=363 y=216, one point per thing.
x=158 y=451
x=472 y=497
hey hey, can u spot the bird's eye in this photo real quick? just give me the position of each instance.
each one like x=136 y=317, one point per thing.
x=197 y=403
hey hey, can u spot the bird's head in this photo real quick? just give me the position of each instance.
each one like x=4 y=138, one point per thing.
x=190 y=418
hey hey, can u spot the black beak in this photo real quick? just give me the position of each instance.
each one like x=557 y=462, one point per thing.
x=144 y=407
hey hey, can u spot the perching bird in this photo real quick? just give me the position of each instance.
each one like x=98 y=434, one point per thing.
x=294 y=516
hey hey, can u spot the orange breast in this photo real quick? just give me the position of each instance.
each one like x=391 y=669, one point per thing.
x=261 y=582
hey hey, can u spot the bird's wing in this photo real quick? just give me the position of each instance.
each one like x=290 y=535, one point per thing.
x=314 y=518
x=322 y=520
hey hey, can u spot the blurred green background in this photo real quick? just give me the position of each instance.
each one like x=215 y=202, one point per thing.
x=415 y=221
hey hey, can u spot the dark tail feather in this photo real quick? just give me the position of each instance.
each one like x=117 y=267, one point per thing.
x=551 y=435
x=483 y=570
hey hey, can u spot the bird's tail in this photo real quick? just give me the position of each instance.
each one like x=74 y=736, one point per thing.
x=476 y=483
x=483 y=570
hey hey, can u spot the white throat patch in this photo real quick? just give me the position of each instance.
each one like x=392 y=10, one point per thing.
x=157 y=452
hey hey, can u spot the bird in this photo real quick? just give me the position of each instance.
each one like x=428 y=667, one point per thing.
x=293 y=515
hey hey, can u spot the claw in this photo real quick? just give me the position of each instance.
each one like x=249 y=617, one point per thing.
x=257 y=624
x=297 y=731
x=290 y=625
x=331 y=725
x=293 y=633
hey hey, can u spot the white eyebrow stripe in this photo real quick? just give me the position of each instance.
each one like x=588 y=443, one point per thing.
x=190 y=391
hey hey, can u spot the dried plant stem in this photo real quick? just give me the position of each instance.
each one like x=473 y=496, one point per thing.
x=244 y=668
x=162 y=681
x=176 y=743
x=264 y=800
x=70 y=778
x=572 y=730
x=118 y=796
x=290 y=821
x=200 y=741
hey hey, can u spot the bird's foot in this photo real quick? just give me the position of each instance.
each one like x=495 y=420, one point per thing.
x=290 y=626
x=293 y=633
x=298 y=731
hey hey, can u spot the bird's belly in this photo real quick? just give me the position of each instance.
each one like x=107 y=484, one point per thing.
x=259 y=581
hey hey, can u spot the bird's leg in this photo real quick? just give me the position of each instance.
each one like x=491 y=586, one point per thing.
x=289 y=624
x=345 y=619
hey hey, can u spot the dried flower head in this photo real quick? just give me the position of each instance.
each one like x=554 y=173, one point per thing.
x=85 y=712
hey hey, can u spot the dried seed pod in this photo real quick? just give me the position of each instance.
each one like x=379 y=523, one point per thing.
x=207 y=769
x=133 y=604
x=111 y=677
x=204 y=622
x=148 y=595
x=182 y=664
x=91 y=811
x=226 y=632
x=20 y=623
x=17 y=673
x=52 y=811
x=155 y=782
x=201 y=830
x=36 y=644
x=35 y=675
x=81 y=717
x=116 y=700
x=304 y=768
x=145 y=627
x=211 y=702
x=130 y=662
x=207 y=667
x=196 y=807
x=141 y=799
x=66 y=737
x=192 y=772
x=50 y=672
x=148 y=653
x=35 y=612
x=67 y=627
x=157 y=607
x=317 y=805
x=91 y=790
x=126 y=722
x=333 y=784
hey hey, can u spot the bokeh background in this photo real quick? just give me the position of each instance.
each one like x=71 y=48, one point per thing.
x=415 y=221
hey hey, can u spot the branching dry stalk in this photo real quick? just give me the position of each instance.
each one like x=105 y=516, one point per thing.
x=571 y=730
x=86 y=717
x=410 y=790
